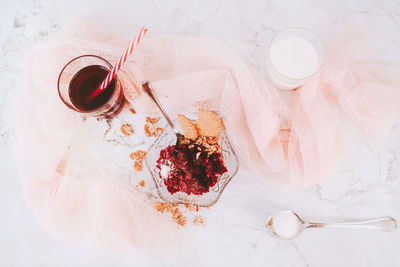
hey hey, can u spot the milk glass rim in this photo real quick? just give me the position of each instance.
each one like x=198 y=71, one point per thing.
x=277 y=34
x=61 y=72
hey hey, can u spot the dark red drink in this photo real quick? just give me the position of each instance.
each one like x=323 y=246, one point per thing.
x=84 y=83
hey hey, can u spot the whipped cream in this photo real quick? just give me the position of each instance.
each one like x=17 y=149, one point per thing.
x=164 y=170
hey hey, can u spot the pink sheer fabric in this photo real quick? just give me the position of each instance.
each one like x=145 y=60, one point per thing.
x=71 y=178
x=287 y=145
x=291 y=145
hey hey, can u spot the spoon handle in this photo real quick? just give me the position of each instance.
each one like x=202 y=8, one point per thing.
x=387 y=224
x=146 y=85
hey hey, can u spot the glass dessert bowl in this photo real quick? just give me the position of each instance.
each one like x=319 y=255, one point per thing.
x=225 y=170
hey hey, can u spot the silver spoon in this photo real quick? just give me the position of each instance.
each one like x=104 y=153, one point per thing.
x=146 y=85
x=288 y=225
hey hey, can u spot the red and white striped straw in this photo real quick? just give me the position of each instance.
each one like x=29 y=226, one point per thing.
x=135 y=41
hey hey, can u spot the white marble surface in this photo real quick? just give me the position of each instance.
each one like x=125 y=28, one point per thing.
x=367 y=185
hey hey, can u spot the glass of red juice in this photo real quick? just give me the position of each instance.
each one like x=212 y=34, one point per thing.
x=80 y=78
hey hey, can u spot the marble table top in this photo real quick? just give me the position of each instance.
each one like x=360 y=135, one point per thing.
x=367 y=184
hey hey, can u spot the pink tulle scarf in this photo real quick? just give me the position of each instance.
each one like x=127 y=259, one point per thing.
x=288 y=145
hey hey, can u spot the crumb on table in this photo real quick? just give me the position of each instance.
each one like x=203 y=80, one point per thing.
x=171 y=207
x=152 y=120
x=138 y=165
x=127 y=129
x=158 y=132
x=151 y=130
x=199 y=221
x=142 y=183
x=159 y=206
x=179 y=218
x=192 y=207
x=132 y=111
x=138 y=155
x=177 y=215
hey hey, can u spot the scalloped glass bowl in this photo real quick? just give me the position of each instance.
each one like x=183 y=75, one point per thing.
x=168 y=138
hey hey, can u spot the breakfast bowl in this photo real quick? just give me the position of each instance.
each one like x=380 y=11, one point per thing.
x=168 y=138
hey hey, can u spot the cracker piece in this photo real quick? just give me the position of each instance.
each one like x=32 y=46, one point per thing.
x=188 y=127
x=208 y=123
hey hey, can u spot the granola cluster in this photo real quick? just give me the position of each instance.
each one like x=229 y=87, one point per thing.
x=127 y=129
x=138 y=156
x=150 y=129
x=152 y=120
x=199 y=221
x=207 y=144
x=177 y=215
x=191 y=207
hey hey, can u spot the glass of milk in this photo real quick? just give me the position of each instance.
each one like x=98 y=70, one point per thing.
x=295 y=55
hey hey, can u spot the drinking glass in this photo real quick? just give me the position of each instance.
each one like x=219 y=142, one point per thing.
x=283 y=81
x=110 y=103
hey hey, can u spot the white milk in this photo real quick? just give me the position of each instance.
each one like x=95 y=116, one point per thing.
x=293 y=60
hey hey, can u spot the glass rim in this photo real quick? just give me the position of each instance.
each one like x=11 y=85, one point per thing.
x=276 y=35
x=66 y=65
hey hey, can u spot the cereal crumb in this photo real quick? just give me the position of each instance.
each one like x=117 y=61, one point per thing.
x=179 y=218
x=127 y=129
x=138 y=155
x=172 y=208
x=159 y=206
x=149 y=129
x=158 y=132
x=192 y=207
x=138 y=165
x=142 y=183
x=168 y=207
x=177 y=215
x=132 y=111
x=199 y=221
x=152 y=120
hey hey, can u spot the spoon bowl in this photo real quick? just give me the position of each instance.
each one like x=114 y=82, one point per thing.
x=285 y=225
x=288 y=225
